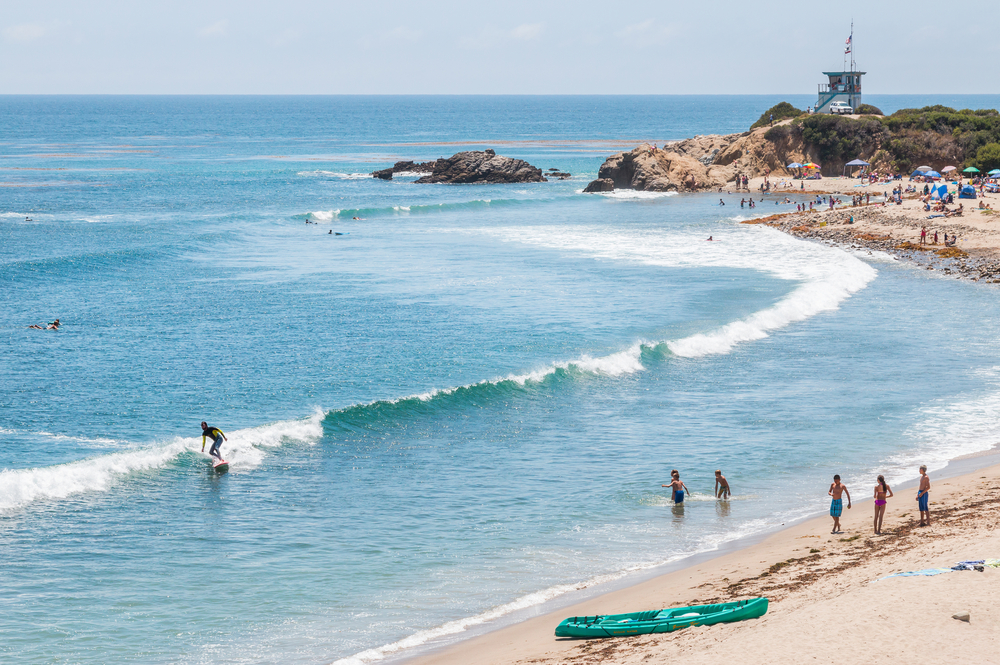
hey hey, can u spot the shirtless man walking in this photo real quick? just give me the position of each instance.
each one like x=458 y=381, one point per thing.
x=837 y=505
x=923 y=497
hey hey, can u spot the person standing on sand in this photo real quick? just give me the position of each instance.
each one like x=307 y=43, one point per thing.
x=837 y=505
x=882 y=492
x=721 y=486
x=677 y=487
x=923 y=235
x=923 y=497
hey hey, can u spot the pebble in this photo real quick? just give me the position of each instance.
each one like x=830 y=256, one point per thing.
x=962 y=616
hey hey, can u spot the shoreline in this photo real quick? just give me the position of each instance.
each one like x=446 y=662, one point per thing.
x=893 y=229
x=526 y=636
x=877 y=228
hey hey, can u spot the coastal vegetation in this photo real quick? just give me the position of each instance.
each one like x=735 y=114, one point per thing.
x=776 y=113
x=868 y=109
x=933 y=135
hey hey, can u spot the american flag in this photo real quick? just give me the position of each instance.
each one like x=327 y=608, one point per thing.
x=848 y=42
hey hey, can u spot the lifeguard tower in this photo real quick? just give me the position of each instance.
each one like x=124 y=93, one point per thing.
x=844 y=86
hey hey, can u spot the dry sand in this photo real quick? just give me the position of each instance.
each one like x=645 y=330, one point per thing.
x=824 y=605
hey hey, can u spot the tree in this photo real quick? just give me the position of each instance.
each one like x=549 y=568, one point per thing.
x=780 y=112
x=987 y=158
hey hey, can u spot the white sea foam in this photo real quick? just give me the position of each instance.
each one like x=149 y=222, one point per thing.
x=827 y=275
x=335 y=174
x=91 y=441
x=632 y=194
x=708 y=544
x=244 y=450
x=323 y=215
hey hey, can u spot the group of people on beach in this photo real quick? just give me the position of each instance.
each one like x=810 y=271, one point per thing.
x=882 y=494
x=678 y=488
x=947 y=242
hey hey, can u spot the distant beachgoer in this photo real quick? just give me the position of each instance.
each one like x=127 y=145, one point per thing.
x=923 y=235
x=330 y=232
x=48 y=326
x=721 y=202
x=837 y=504
x=677 y=487
x=935 y=237
x=923 y=497
x=710 y=238
x=882 y=492
x=743 y=202
x=721 y=485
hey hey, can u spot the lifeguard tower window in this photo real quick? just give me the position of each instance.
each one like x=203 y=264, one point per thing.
x=842 y=87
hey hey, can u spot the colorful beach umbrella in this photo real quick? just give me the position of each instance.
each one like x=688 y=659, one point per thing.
x=947 y=168
x=810 y=165
x=971 y=169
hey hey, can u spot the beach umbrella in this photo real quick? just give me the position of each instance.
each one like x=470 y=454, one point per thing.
x=994 y=172
x=971 y=169
x=924 y=168
x=794 y=165
x=932 y=174
x=947 y=168
x=810 y=165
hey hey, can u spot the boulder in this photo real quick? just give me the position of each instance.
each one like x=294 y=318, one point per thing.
x=405 y=167
x=600 y=185
x=486 y=166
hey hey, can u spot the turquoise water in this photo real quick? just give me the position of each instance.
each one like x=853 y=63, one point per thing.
x=463 y=406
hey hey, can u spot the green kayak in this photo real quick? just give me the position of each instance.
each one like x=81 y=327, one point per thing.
x=661 y=621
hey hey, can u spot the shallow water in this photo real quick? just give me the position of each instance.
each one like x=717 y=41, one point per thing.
x=464 y=405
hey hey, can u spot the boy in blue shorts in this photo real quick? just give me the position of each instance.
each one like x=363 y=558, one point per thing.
x=837 y=505
x=923 y=497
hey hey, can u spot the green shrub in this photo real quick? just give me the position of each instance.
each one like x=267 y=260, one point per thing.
x=868 y=109
x=780 y=112
x=987 y=158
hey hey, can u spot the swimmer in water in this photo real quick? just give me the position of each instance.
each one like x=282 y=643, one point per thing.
x=49 y=326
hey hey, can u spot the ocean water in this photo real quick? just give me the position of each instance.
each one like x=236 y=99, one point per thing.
x=463 y=406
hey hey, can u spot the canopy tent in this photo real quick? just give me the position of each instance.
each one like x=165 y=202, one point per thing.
x=971 y=169
x=939 y=192
x=923 y=168
x=967 y=192
x=947 y=169
x=916 y=174
x=857 y=162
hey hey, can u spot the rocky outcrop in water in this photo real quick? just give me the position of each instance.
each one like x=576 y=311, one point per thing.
x=405 y=167
x=600 y=185
x=482 y=167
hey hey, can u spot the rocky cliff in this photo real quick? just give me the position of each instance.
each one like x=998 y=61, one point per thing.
x=699 y=163
x=482 y=167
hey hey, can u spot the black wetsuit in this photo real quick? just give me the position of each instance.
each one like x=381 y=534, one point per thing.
x=215 y=434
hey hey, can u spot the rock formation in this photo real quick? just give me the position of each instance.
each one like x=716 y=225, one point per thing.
x=405 y=167
x=482 y=167
x=600 y=185
x=702 y=162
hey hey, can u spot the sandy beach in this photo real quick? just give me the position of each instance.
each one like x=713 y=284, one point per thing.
x=826 y=604
x=892 y=228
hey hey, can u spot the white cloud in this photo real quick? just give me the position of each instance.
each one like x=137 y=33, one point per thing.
x=527 y=32
x=647 y=33
x=26 y=32
x=217 y=29
x=286 y=36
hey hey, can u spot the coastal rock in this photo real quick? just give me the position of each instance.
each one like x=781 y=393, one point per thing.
x=405 y=167
x=648 y=168
x=600 y=185
x=482 y=167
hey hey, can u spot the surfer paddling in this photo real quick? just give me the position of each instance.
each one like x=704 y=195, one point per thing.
x=217 y=437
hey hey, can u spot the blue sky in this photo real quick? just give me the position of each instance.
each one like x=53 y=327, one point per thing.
x=443 y=47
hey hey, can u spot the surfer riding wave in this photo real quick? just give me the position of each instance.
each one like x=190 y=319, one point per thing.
x=217 y=437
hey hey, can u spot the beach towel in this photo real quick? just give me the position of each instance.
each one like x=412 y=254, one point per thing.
x=961 y=565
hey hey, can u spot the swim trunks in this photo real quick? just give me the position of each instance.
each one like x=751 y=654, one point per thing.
x=923 y=502
x=679 y=496
x=836 y=507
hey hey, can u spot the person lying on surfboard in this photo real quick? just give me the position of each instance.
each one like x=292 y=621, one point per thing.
x=217 y=437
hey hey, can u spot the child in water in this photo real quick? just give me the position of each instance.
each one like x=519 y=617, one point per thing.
x=677 y=487
x=721 y=485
